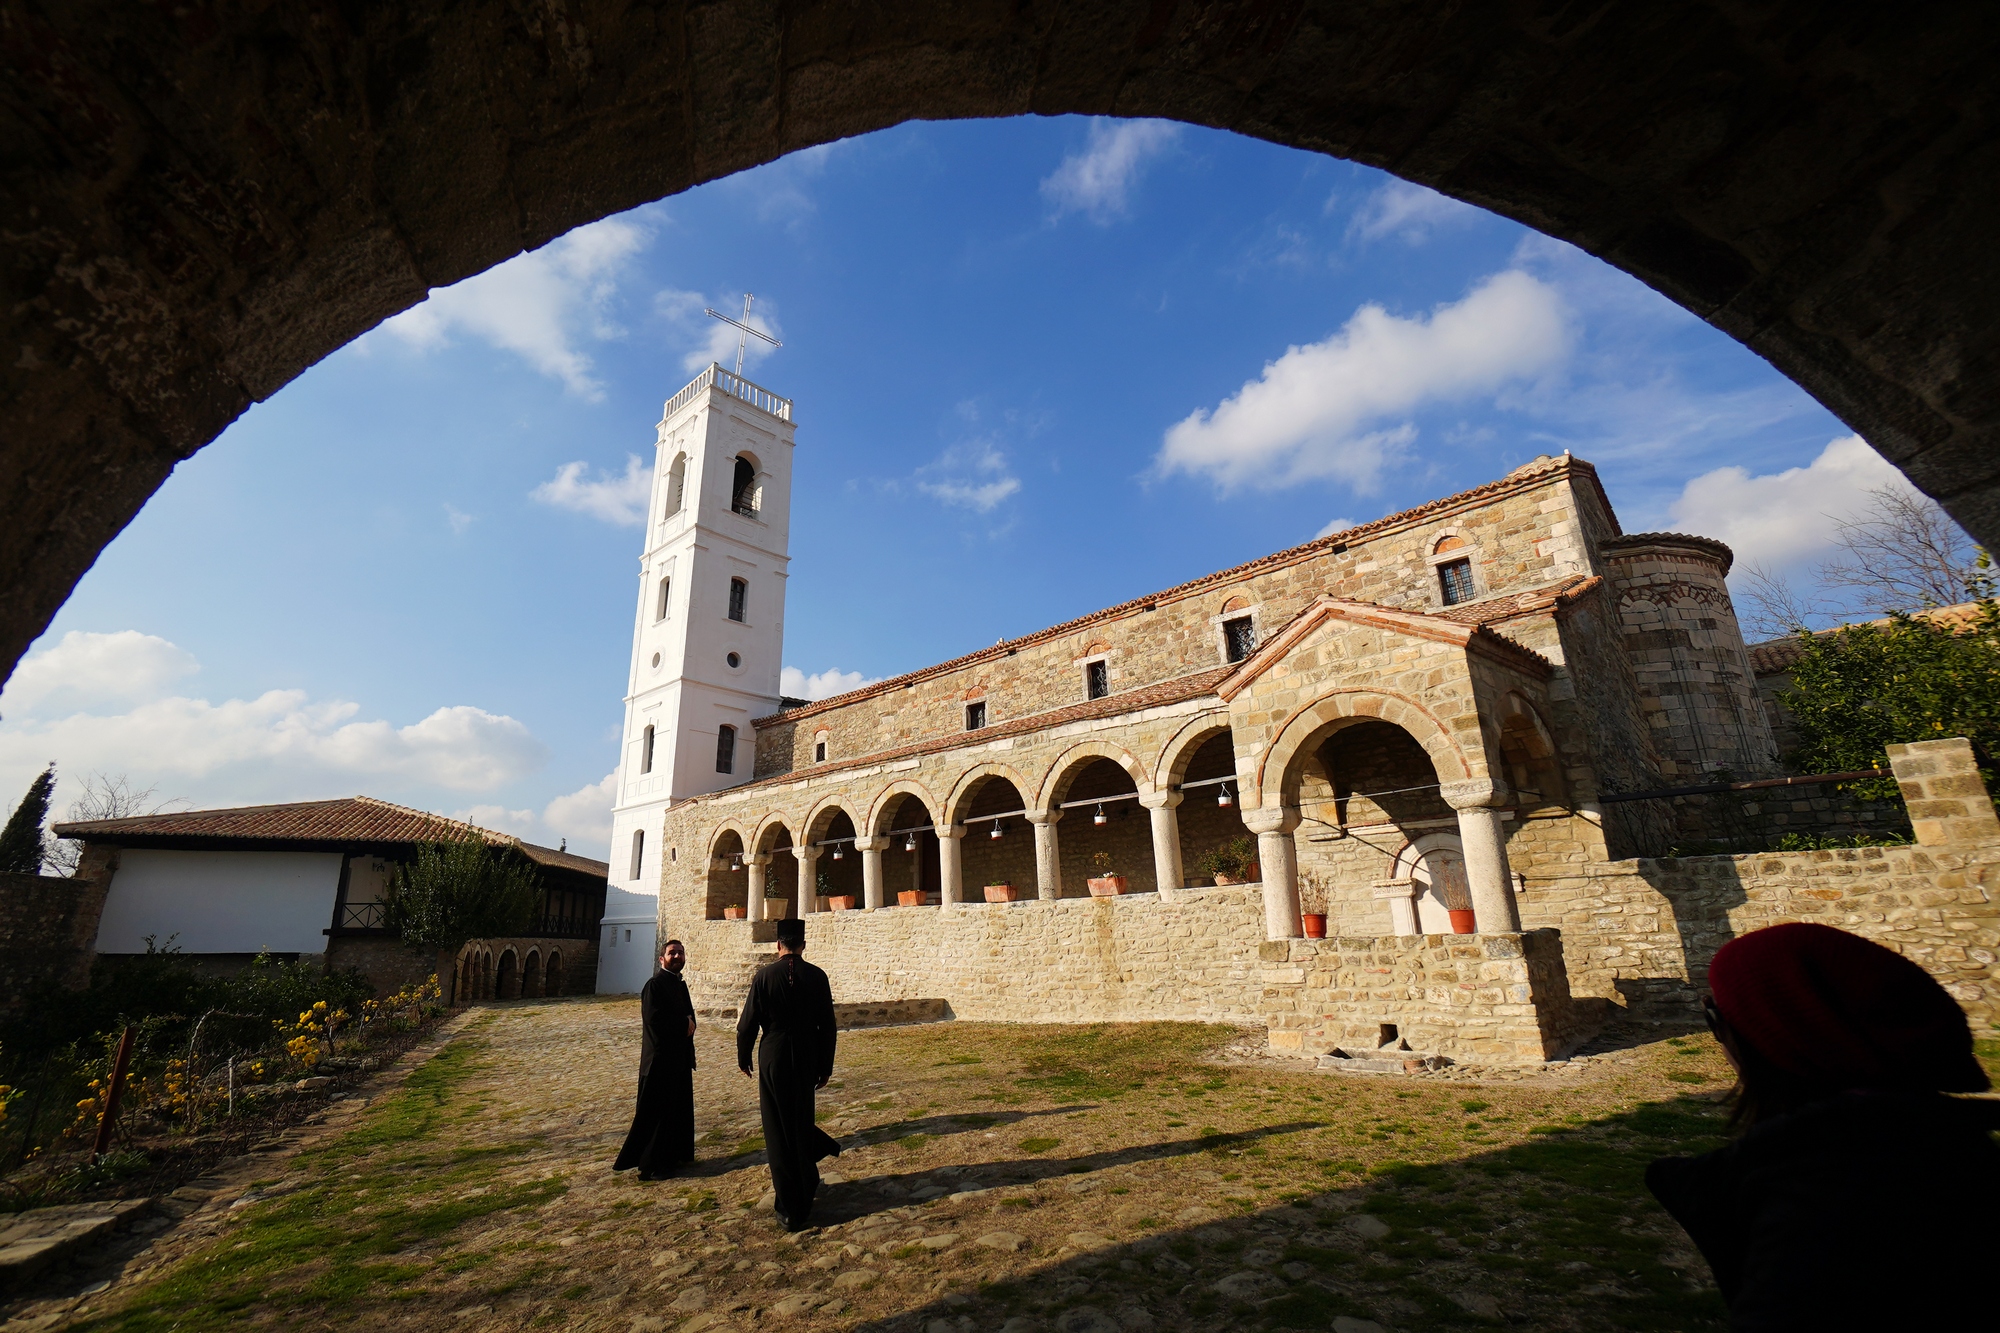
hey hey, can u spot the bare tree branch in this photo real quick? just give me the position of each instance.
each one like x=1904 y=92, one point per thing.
x=104 y=797
x=1768 y=607
x=1904 y=553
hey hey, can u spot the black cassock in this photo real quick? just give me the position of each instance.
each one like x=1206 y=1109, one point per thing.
x=791 y=1003
x=662 y=1134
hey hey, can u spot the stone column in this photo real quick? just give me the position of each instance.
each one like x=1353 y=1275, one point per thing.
x=951 y=864
x=1401 y=895
x=1484 y=839
x=808 y=899
x=1164 y=807
x=871 y=870
x=753 y=895
x=1278 y=858
x=1048 y=858
x=1942 y=790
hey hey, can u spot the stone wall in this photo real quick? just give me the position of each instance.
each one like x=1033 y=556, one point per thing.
x=1488 y=999
x=47 y=926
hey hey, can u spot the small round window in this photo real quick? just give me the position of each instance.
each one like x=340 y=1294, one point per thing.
x=735 y=660
x=656 y=661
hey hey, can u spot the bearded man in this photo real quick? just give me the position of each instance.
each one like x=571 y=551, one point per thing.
x=662 y=1133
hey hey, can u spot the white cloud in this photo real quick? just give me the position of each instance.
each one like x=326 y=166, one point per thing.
x=85 y=670
x=1407 y=211
x=796 y=684
x=712 y=339
x=541 y=306
x=972 y=476
x=458 y=519
x=582 y=819
x=1782 y=520
x=1318 y=411
x=1333 y=526
x=1098 y=181
x=280 y=746
x=614 y=499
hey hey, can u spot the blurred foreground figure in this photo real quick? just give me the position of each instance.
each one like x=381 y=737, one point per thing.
x=1858 y=1194
x=791 y=1003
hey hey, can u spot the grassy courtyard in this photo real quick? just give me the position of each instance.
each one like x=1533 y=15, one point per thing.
x=1111 y=1179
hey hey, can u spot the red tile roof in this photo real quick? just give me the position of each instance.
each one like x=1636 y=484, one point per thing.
x=1778 y=655
x=1552 y=596
x=348 y=819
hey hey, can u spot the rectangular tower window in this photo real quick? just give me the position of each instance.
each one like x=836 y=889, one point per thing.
x=975 y=715
x=739 y=593
x=666 y=587
x=1455 y=579
x=638 y=851
x=1239 y=638
x=725 y=750
x=819 y=752
x=1097 y=679
x=646 y=752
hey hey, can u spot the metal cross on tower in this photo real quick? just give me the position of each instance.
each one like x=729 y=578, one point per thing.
x=743 y=330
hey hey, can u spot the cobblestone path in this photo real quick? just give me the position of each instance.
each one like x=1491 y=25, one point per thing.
x=1003 y=1178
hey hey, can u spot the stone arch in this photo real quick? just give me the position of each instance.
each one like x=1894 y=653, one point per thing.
x=1527 y=750
x=1064 y=769
x=1277 y=769
x=485 y=974
x=531 y=975
x=507 y=978
x=1490 y=105
x=1420 y=860
x=769 y=833
x=552 y=974
x=972 y=779
x=728 y=880
x=887 y=800
x=910 y=864
x=998 y=847
x=838 y=870
x=775 y=839
x=1180 y=748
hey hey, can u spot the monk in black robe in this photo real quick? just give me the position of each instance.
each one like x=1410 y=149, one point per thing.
x=662 y=1133
x=791 y=1003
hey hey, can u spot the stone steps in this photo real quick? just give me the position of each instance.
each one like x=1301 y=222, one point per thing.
x=32 y=1241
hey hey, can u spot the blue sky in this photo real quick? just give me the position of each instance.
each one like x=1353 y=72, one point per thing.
x=1040 y=366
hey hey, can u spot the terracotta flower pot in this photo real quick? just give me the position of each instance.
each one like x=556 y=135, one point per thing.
x=841 y=902
x=910 y=898
x=1002 y=893
x=1255 y=874
x=1462 y=922
x=1315 y=923
x=1224 y=880
x=1110 y=886
x=735 y=913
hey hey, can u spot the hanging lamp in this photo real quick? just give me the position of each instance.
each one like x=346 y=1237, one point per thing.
x=1100 y=817
x=838 y=851
x=994 y=833
x=910 y=845
x=1223 y=798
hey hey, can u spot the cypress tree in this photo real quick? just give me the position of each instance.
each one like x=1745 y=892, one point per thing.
x=22 y=848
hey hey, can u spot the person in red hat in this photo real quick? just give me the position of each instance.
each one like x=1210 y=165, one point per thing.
x=1859 y=1192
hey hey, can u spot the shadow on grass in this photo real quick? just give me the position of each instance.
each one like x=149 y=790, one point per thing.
x=1557 y=1232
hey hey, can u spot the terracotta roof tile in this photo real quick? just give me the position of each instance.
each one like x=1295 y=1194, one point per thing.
x=1496 y=609
x=1773 y=656
x=357 y=819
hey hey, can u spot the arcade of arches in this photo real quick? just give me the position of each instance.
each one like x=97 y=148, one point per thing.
x=196 y=212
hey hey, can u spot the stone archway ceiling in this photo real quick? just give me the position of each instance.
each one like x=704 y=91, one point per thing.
x=200 y=202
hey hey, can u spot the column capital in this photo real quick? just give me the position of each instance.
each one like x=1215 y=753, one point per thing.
x=1272 y=819
x=757 y=859
x=950 y=831
x=1162 y=800
x=1473 y=793
x=1044 y=816
x=807 y=851
x=879 y=844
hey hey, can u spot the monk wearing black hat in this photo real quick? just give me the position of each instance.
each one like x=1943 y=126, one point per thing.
x=662 y=1133
x=1860 y=1193
x=791 y=1003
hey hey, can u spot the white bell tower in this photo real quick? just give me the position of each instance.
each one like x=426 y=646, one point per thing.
x=708 y=640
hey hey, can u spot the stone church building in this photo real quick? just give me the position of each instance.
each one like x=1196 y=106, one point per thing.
x=1409 y=731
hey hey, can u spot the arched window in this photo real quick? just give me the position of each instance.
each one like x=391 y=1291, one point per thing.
x=743 y=489
x=638 y=851
x=739 y=598
x=646 y=752
x=676 y=485
x=666 y=587
x=725 y=750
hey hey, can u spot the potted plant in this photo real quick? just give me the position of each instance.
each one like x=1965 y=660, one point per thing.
x=840 y=902
x=910 y=897
x=1234 y=862
x=735 y=913
x=1106 y=883
x=1449 y=881
x=1312 y=902
x=1002 y=893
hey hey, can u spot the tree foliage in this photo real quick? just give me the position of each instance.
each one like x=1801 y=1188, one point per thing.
x=460 y=889
x=1863 y=688
x=23 y=847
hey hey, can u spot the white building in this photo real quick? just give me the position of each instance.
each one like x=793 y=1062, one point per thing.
x=707 y=638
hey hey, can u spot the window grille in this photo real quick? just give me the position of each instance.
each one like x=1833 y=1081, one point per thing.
x=975 y=715
x=646 y=752
x=1239 y=638
x=739 y=595
x=1455 y=579
x=725 y=750
x=1097 y=679
x=743 y=494
x=819 y=752
x=638 y=851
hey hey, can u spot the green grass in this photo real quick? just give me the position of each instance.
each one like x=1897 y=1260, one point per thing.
x=1039 y=1145
x=384 y=1188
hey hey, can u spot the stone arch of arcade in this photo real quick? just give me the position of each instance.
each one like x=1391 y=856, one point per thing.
x=1197 y=808
x=728 y=872
x=1089 y=821
x=988 y=820
x=771 y=890
x=900 y=857
x=832 y=867
x=1820 y=188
